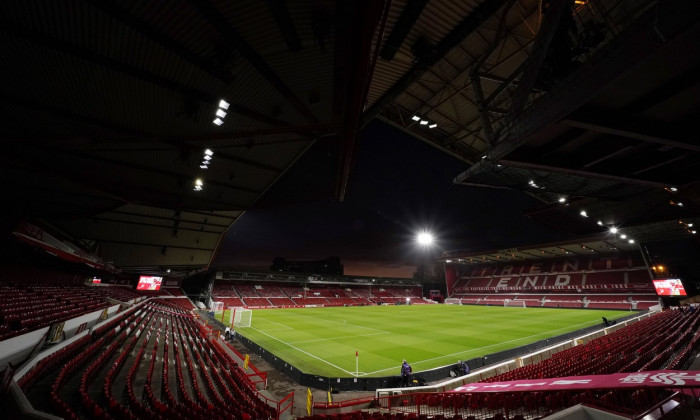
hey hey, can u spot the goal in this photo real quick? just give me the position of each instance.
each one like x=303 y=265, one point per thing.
x=217 y=307
x=515 y=303
x=240 y=317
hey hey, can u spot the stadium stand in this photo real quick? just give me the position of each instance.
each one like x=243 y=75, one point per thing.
x=112 y=371
x=616 y=283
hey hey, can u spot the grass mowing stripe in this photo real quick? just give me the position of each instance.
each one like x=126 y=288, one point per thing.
x=479 y=351
x=428 y=336
x=308 y=354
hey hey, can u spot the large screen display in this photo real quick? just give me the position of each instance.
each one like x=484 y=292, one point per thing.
x=669 y=287
x=96 y=280
x=149 y=283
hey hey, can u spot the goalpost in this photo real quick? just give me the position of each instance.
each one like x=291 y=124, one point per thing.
x=240 y=317
x=514 y=303
x=217 y=307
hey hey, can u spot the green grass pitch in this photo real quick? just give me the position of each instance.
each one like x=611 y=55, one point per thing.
x=323 y=341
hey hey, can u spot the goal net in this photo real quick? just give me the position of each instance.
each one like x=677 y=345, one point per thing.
x=217 y=307
x=515 y=303
x=240 y=317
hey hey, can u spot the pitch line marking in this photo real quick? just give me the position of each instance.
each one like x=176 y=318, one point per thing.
x=305 y=352
x=344 y=323
x=338 y=338
x=476 y=349
x=286 y=327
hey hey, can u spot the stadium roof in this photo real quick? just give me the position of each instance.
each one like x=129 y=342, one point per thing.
x=109 y=107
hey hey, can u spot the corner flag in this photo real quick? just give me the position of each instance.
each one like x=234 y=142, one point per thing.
x=357 y=364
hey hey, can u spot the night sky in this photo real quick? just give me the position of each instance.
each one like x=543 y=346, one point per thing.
x=398 y=186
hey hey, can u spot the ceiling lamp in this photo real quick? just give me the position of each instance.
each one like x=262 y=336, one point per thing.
x=583 y=213
x=220 y=113
x=415 y=118
x=613 y=230
x=198 y=184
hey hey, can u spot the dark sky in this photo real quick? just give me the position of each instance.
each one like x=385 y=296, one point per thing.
x=398 y=186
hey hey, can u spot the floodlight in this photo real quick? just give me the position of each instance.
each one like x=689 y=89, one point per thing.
x=433 y=125
x=168 y=270
x=600 y=223
x=613 y=230
x=223 y=104
x=208 y=152
x=425 y=238
x=562 y=199
x=218 y=121
x=623 y=236
x=631 y=241
x=680 y=204
x=583 y=213
x=198 y=181
x=207 y=157
x=220 y=113
x=203 y=166
x=415 y=118
x=423 y=122
x=673 y=189
x=198 y=188
x=693 y=232
x=690 y=225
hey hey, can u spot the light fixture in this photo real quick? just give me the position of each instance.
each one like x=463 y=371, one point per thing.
x=433 y=125
x=631 y=241
x=423 y=122
x=583 y=213
x=600 y=223
x=690 y=225
x=207 y=157
x=220 y=113
x=203 y=166
x=208 y=152
x=673 y=189
x=424 y=238
x=562 y=199
x=223 y=104
x=168 y=270
x=415 y=118
x=623 y=236
x=218 y=121
x=693 y=232
x=613 y=230
x=680 y=204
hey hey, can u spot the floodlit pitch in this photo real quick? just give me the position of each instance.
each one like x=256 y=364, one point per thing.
x=324 y=341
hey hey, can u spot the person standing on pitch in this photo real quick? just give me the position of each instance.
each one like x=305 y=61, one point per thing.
x=405 y=373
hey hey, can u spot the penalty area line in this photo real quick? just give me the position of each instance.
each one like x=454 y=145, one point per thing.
x=337 y=338
x=305 y=352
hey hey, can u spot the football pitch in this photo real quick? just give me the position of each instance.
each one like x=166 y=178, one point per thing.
x=324 y=341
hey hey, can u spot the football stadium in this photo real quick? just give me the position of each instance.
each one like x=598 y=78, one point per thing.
x=350 y=210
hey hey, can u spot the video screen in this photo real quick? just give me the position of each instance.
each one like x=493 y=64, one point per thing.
x=149 y=283
x=669 y=287
x=96 y=280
